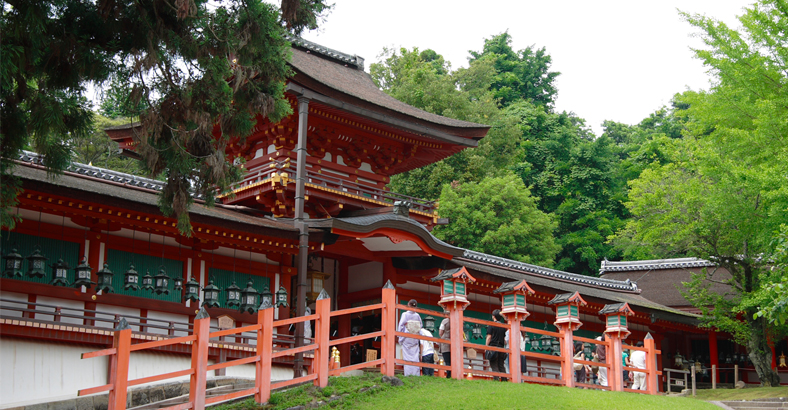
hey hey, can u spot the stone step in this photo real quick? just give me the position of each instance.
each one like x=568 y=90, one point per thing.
x=741 y=405
x=216 y=391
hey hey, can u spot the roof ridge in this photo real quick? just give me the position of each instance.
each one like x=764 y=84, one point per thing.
x=354 y=60
x=653 y=264
x=626 y=285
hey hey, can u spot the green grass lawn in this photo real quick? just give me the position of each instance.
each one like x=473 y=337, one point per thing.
x=750 y=393
x=434 y=393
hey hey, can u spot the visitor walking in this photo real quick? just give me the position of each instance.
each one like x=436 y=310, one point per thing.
x=410 y=322
x=580 y=369
x=601 y=354
x=444 y=331
x=639 y=361
x=427 y=353
x=495 y=338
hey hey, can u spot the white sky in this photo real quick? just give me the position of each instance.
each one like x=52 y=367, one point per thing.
x=619 y=60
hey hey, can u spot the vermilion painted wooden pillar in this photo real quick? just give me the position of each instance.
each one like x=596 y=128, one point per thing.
x=567 y=354
x=615 y=373
x=95 y=257
x=344 y=326
x=514 y=351
x=651 y=365
x=265 y=335
x=322 y=334
x=119 y=377
x=197 y=386
x=713 y=352
x=658 y=343
x=457 y=360
x=388 y=324
x=389 y=272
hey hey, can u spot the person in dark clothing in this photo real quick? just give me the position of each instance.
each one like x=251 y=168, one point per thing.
x=495 y=337
x=601 y=354
x=580 y=375
x=445 y=333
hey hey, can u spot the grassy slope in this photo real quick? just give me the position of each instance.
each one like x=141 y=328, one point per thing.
x=742 y=394
x=438 y=394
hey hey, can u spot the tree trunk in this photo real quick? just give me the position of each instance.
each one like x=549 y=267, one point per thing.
x=761 y=354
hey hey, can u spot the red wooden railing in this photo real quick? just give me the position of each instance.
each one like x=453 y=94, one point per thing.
x=322 y=367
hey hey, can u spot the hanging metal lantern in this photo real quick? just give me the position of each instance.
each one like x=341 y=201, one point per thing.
x=147 y=281
x=82 y=277
x=587 y=350
x=104 y=280
x=192 y=290
x=59 y=273
x=13 y=264
x=131 y=279
x=249 y=298
x=477 y=331
x=281 y=297
x=36 y=263
x=233 y=296
x=429 y=323
x=544 y=342
x=162 y=283
x=678 y=360
x=782 y=360
x=210 y=294
x=178 y=283
x=556 y=346
x=266 y=297
x=728 y=359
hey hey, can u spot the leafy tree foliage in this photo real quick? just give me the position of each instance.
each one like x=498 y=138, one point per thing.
x=498 y=216
x=724 y=195
x=519 y=75
x=201 y=70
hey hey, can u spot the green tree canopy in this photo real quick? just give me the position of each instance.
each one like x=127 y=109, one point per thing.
x=195 y=66
x=519 y=75
x=497 y=216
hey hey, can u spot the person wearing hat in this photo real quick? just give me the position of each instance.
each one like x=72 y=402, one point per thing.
x=410 y=322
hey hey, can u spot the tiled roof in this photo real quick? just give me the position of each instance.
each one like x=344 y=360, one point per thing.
x=354 y=60
x=623 y=286
x=100 y=173
x=676 y=263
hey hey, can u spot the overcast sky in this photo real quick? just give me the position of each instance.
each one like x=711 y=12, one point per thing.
x=619 y=60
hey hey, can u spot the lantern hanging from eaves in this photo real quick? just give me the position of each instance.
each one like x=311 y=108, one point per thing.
x=82 y=274
x=210 y=294
x=233 y=293
x=162 y=282
x=59 y=273
x=266 y=297
x=104 y=280
x=178 y=283
x=147 y=281
x=192 y=290
x=131 y=279
x=249 y=298
x=281 y=297
x=429 y=323
x=13 y=264
x=36 y=263
x=454 y=291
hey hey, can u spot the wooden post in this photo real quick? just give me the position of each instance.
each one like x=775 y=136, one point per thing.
x=457 y=359
x=713 y=376
x=668 y=390
x=265 y=347
x=119 y=365
x=735 y=374
x=197 y=383
x=514 y=350
x=567 y=355
x=651 y=365
x=614 y=354
x=388 y=322
x=692 y=372
x=322 y=335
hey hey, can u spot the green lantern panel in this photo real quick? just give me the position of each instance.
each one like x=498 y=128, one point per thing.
x=52 y=249
x=224 y=278
x=119 y=261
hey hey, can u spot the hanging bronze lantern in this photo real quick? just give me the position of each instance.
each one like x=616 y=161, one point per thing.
x=13 y=264
x=36 y=263
x=477 y=331
x=82 y=274
x=192 y=290
x=281 y=297
x=162 y=283
x=104 y=280
x=210 y=294
x=59 y=273
x=131 y=279
x=233 y=296
x=429 y=323
x=147 y=281
x=178 y=283
x=678 y=360
x=266 y=297
x=249 y=298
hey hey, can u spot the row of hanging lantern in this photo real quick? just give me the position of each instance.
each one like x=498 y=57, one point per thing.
x=246 y=300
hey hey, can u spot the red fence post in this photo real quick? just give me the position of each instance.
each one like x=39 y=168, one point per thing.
x=614 y=355
x=567 y=354
x=388 y=322
x=202 y=331
x=514 y=350
x=322 y=334
x=457 y=359
x=265 y=347
x=651 y=364
x=119 y=366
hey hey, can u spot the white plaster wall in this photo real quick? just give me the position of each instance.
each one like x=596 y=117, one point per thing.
x=365 y=276
x=33 y=372
x=67 y=305
x=16 y=297
x=166 y=317
x=108 y=311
